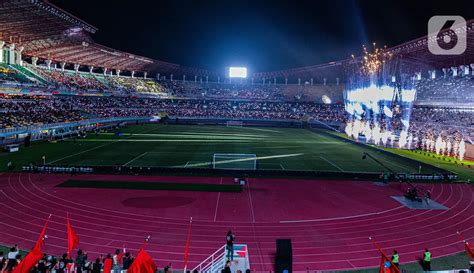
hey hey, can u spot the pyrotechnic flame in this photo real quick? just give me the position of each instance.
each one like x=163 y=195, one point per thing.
x=402 y=140
x=373 y=61
x=462 y=149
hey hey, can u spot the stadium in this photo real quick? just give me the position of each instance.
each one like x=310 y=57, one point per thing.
x=114 y=161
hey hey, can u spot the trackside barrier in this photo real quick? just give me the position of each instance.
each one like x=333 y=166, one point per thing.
x=54 y=169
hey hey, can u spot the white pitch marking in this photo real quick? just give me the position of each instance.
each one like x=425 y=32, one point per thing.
x=81 y=152
x=137 y=157
x=339 y=168
x=246 y=159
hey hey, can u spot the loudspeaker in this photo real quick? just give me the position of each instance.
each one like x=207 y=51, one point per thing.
x=284 y=256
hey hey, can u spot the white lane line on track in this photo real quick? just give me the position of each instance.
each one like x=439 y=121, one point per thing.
x=351 y=264
x=341 y=218
x=250 y=199
x=447 y=219
x=33 y=184
x=266 y=248
x=439 y=194
x=135 y=158
x=217 y=204
x=356 y=216
x=64 y=200
x=334 y=165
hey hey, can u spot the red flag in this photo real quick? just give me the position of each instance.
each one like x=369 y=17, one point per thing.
x=72 y=239
x=186 y=249
x=386 y=265
x=143 y=263
x=468 y=247
x=33 y=257
x=469 y=250
x=40 y=242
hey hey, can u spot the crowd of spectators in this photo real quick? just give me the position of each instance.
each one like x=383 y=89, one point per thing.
x=40 y=110
x=226 y=91
x=446 y=89
x=452 y=125
x=70 y=80
x=36 y=111
x=31 y=110
x=254 y=92
x=131 y=85
x=84 y=81
x=107 y=263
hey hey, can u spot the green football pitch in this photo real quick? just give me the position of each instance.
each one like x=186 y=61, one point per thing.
x=193 y=146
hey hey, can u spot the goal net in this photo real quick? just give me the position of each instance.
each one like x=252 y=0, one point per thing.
x=234 y=161
x=234 y=123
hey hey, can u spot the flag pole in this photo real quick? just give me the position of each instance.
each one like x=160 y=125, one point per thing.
x=460 y=236
x=467 y=246
x=383 y=253
x=146 y=241
x=186 y=249
x=40 y=241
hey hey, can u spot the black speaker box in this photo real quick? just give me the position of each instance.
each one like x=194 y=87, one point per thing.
x=284 y=256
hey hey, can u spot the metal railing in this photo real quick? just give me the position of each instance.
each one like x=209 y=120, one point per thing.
x=217 y=260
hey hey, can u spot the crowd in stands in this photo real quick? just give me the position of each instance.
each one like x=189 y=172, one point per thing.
x=83 y=82
x=223 y=91
x=78 y=81
x=135 y=85
x=178 y=98
x=26 y=112
x=451 y=124
x=41 y=110
x=260 y=92
x=449 y=89
x=75 y=81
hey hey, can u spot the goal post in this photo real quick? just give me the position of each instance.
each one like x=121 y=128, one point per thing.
x=234 y=123
x=234 y=161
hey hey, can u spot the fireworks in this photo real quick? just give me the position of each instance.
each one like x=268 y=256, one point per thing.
x=372 y=62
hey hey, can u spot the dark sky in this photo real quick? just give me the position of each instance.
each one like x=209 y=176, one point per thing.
x=263 y=35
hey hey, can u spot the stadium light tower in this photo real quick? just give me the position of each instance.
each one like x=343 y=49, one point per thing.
x=237 y=72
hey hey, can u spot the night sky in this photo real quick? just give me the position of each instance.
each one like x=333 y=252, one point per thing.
x=262 y=35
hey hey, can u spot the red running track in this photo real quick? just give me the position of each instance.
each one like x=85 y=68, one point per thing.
x=329 y=222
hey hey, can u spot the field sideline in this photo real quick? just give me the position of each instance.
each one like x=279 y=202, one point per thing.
x=154 y=145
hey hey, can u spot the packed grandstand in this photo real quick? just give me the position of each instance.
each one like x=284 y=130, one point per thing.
x=53 y=76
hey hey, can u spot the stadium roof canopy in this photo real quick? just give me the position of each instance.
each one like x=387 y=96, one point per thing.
x=413 y=56
x=50 y=33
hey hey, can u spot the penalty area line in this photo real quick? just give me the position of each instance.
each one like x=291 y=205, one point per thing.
x=135 y=158
x=334 y=165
